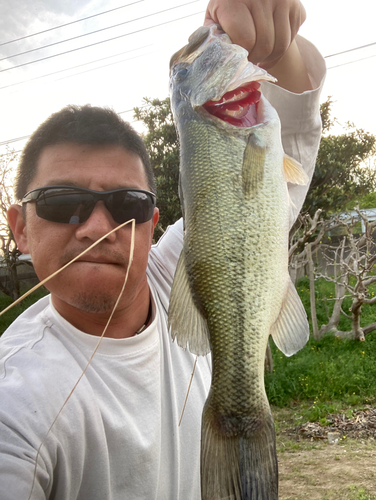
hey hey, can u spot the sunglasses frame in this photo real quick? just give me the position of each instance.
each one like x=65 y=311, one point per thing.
x=34 y=194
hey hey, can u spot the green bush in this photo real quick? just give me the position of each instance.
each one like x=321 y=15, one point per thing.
x=12 y=314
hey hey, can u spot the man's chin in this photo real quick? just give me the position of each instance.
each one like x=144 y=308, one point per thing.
x=95 y=303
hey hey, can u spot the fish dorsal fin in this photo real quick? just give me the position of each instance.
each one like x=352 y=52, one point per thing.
x=187 y=324
x=293 y=171
x=291 y=330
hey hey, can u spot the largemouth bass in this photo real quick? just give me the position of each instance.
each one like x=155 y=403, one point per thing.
x=232 y=288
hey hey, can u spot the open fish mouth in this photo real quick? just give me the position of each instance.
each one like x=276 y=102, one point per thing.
x=237 y=107
x=217 y=80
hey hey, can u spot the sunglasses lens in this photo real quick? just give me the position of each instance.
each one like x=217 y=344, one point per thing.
x=64 y=207
x=128 y=205
x=73 y=206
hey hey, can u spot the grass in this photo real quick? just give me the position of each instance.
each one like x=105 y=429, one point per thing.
x=328 y=373
x=12 y=314
x=331 y=369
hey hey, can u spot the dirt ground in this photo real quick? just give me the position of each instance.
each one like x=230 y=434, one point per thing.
x=312 y=468
x=335 y=472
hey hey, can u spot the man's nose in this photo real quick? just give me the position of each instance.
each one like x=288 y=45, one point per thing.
x=98 y=224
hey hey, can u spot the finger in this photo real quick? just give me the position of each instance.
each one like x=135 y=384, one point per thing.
x=265 y=34
x=297 y=18
x=235 y=19
x=282 y=38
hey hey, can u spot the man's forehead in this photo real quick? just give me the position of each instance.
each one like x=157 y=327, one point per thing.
x=73 y=163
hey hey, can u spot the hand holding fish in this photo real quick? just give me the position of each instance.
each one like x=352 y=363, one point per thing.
x=267 y=30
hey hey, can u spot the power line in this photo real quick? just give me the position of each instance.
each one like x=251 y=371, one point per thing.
x=14 y=140
x=102 y=41
x=73 y=67
x=129 y=110
x=106 y=65
x=67 y=24
x=351 y=62
x=351 y=50
x=95 y=31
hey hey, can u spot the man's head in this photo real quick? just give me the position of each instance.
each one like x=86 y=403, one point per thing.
x=80 y=125
x=88 y=151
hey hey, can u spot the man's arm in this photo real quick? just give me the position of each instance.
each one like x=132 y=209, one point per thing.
x=267 y=29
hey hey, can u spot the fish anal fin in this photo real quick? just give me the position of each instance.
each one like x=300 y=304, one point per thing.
x=186 y=322
x=291 y=330
x=253 y=166
x=294 y=172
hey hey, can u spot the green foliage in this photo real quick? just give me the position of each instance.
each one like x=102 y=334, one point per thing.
x=331 y=369
x=357 y=493
x=366 y=201
x=12 y=314
x=341 y=174
x=162 y=143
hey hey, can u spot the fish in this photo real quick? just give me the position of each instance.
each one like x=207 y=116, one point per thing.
x=231 y=288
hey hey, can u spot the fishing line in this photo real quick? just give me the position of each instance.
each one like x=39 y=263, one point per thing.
x=189 y=387
x=131 y=252
x=62 y=268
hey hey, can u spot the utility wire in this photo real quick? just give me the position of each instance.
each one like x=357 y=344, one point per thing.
x=106 y=65
x=9 y=141
x=95 y=31
x=351 y=62
x=351 y=50
x=14 y=140
x=102 y=41
x=68 y=24
x=73 y=67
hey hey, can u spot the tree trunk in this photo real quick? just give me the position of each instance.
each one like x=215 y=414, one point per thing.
x=312 y=297
x=269 y=359
x=356 y=310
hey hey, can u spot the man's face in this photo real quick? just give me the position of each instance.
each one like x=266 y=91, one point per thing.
x=93 y=283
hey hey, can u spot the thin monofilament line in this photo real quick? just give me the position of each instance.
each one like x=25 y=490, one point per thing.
x=62 y=268
x=189 y=388
x=131 y=252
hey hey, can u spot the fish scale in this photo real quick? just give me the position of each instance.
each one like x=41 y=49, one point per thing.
x=231 y=288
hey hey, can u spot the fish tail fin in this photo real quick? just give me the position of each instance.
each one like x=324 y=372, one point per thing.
x=238 y=465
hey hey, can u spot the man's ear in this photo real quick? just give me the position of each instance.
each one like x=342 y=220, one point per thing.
x=18 y=226
x=154 y=221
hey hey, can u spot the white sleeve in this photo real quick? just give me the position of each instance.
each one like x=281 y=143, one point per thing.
x=300 y=117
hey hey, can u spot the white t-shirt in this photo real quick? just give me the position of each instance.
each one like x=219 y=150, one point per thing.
x=118 y=437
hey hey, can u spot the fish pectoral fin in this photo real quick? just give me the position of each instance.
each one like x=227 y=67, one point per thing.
x=291 y=330
x=253 y=166
x=294 y=172
x=188 y=325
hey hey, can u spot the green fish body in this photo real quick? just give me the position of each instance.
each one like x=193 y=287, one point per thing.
x=232 y=288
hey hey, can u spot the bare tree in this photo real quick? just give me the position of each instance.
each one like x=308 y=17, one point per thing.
x=9 y=284
x=353 y=261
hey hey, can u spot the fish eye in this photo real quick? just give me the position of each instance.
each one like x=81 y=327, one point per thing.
x=180 y=74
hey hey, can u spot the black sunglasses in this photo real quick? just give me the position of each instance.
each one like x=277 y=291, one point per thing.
x=74 y=205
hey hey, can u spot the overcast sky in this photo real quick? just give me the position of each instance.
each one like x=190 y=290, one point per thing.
x=120 y=72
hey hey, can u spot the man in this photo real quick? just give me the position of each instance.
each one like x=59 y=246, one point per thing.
x=82 y=173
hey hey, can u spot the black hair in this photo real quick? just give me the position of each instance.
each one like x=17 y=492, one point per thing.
x=80 y=125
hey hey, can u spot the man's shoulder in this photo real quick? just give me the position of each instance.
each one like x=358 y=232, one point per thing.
x=25 y=324
x=29 y=347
